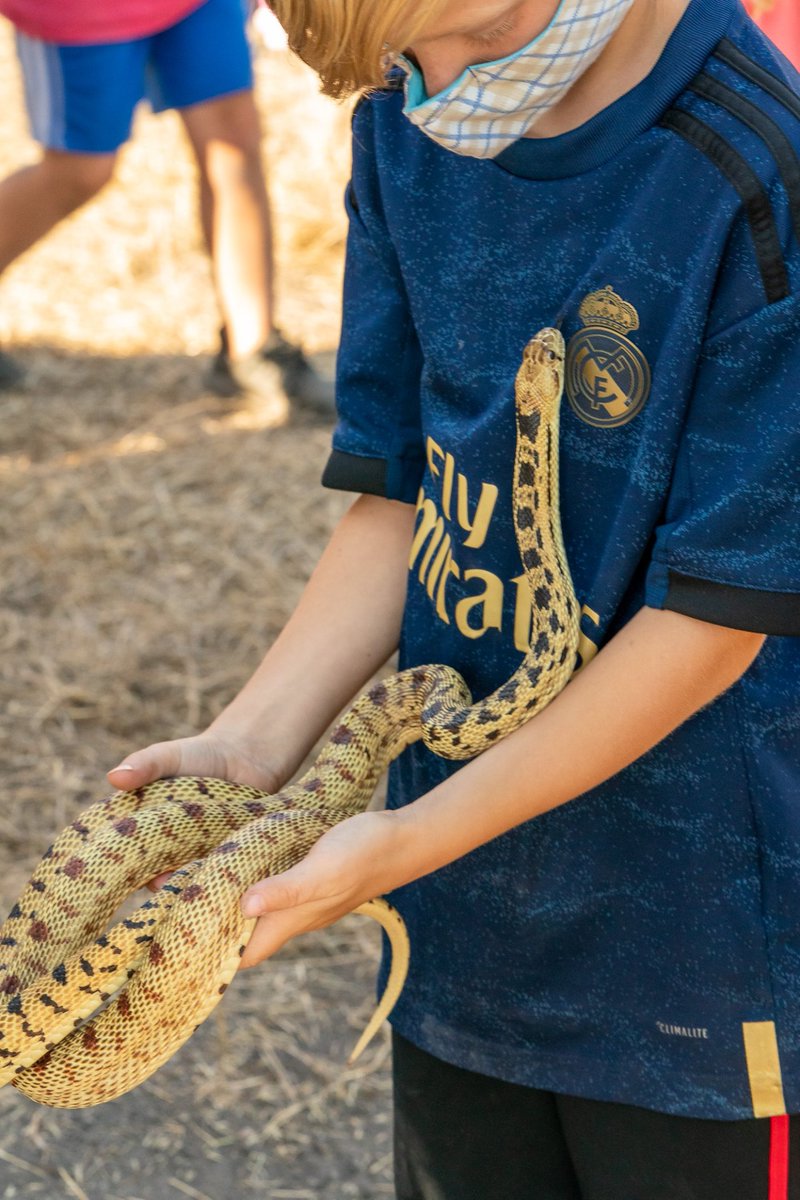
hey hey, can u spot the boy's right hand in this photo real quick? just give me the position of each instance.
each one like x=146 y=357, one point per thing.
x=210 y=754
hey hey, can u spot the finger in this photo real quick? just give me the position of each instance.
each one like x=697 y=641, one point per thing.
x=280 y=892
x=279 y=926
x=144 y=766
x=159 y=880
x=270 y=934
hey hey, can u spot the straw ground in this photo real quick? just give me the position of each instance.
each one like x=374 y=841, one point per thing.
x=152 y=542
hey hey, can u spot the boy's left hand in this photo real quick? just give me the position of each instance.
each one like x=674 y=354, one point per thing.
x=357 y=860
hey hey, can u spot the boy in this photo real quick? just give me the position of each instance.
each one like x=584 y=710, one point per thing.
x=602 y=1000
x=86 y=66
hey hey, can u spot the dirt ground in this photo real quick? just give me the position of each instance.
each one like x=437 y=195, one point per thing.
x=152 y=542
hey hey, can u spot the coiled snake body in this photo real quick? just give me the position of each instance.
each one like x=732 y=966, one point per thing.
x=169 y=963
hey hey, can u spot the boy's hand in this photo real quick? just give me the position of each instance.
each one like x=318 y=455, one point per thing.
x=359 y=859
x=210 y=754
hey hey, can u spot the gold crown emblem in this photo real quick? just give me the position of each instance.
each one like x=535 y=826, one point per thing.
x=609 y=311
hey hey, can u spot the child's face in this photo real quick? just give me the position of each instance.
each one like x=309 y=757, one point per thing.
x=473 y=31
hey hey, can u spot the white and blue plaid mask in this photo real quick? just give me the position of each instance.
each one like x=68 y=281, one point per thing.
x=493 y=104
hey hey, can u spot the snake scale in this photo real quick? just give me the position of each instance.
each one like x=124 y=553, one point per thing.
x=90 y=1012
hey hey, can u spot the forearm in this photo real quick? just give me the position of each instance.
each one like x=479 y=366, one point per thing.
x=658 y=671
x=344 y=628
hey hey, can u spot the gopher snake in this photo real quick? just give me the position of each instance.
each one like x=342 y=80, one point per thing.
x=171 y=961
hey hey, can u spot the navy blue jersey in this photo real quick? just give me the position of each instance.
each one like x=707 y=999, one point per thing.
x=641 y=943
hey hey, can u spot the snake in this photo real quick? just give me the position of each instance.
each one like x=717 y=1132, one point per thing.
x=90 y=1011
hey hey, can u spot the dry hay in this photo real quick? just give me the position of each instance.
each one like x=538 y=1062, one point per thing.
x=152 y=543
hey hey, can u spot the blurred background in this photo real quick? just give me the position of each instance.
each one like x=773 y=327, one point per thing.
x=780 y=20
x=153 y=540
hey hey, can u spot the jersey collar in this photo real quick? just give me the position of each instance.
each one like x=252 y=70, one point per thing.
x=701 y=28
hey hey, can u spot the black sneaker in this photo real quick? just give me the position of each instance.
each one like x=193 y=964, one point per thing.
x=279 y=367
x=12 y=375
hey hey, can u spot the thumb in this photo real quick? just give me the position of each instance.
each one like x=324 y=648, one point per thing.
x=155 y=762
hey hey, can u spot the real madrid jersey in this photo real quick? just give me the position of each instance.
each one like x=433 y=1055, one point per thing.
x=641 y=943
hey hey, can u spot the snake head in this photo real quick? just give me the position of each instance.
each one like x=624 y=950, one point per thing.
x=541 y=374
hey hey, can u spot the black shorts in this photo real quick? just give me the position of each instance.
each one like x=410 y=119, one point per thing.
x=464 y=1136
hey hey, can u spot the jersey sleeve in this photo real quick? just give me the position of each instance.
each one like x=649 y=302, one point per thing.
x=728 y=549
x=377 y=443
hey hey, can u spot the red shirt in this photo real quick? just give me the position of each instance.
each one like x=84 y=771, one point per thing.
x=74 y=22
x=780 y=20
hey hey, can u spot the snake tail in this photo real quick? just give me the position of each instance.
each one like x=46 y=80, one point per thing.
x=390 y=920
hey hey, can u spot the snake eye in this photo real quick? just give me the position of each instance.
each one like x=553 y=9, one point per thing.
x=552 y=355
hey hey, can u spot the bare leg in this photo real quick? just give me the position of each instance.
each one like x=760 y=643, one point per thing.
x=36 y=198
x=234 y=208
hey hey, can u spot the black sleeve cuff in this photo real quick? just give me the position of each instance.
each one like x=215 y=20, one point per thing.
x=352 y=473
x=397 y=477
x=774 y=613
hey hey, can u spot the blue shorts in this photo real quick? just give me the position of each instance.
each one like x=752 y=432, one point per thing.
x=82 y=98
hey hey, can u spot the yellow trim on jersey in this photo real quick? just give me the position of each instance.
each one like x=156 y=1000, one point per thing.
x=764 y=1068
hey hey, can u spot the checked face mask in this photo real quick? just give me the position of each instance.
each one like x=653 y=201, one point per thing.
x=493 y=104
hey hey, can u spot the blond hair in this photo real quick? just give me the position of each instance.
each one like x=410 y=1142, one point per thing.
x=350 y=43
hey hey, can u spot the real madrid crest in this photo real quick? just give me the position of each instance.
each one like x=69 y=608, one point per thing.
x=607 y=376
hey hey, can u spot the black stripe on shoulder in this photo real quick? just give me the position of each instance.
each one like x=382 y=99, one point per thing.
x=776 y=614
x=352 y=473
x=779 y=145
x=743 y=178
x=733 y=57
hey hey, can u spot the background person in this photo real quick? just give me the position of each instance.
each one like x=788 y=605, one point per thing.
x=86 y=66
